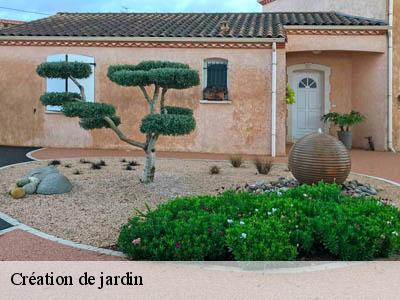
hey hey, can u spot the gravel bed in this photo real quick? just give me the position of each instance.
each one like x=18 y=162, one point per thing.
x=103 y=200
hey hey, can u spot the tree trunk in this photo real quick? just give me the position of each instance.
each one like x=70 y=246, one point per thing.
x=150 y=164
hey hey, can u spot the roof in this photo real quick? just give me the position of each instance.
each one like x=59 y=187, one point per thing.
x=179 y=25
x=11 y=22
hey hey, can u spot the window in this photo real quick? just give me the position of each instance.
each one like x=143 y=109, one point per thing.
x=307 y=83
x=66 y=85
x=216 y=80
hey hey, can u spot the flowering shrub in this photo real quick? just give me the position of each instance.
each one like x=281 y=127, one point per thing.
x=306 y=221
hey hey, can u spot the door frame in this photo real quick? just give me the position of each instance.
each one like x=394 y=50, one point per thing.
x=326 y=74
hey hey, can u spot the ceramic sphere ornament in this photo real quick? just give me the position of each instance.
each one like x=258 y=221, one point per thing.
x=319 y=157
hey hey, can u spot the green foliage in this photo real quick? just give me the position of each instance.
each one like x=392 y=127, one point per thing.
x=175 y=110
x=290 y=95
x=305 y=221
x=98 y=123
x=169 y=124
x=164 y=74
x=344 y=121
x=88 y=110
x=59 y=99
x=64 y=69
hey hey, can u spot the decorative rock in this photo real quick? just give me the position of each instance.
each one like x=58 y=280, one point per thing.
x=319 y=157
x=42 y=172
x=12 y=187
x=30 y=188
x=34 y=180
x=22 y=181
x=18 y=193
x=54 y=183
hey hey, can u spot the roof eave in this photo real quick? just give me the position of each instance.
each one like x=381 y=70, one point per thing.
x=338 y=27
x=145 y=39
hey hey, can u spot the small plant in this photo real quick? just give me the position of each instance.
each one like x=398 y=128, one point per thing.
x=77 y=172
x=263 y=165
x=129 y=168
x=290 y=95
x=68 y=166
x=85 y=161
x=236 y=161
x=96 y=166
x=344 y=121
x=123 y=160
x=102 y=163
x=54 y=163
x=215 y=170
x=133 y=163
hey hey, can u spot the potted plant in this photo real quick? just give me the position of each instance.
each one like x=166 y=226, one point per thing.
x=345 y=122
x=215 y=93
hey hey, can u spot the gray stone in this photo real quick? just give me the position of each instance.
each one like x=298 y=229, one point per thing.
x=22 y=181
x=42 y=172
x=30 y=188
x=34 y=180
x=54 y=183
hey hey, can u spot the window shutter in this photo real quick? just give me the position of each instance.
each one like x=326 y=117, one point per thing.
x=217 y=75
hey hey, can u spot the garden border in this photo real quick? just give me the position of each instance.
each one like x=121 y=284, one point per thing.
x=18 y=225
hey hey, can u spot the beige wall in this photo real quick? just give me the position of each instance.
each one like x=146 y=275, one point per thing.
x=396 y=76
x=353 y=86
x=365 y=8
x=240 y=127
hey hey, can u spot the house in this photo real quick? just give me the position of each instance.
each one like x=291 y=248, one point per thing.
x=7 y=23
x=334 y=61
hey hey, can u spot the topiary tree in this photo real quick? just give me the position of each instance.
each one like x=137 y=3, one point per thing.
x=161 y=76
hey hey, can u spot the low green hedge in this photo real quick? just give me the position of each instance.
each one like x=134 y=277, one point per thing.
x=308 y=221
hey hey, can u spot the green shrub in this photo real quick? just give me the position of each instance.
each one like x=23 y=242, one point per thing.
x=263 y=165
x=168 y=124
x=236 y=161
x=64 y=69
x=305 y=221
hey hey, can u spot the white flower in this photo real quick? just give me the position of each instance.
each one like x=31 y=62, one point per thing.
x=243 y=235
x=269 y=213
x=274 y=210
x=241 y=223
x=230 y=221
x=297 y=226
x=279 y=193
x=305 y=195
x=256 y=210
x=395 y=233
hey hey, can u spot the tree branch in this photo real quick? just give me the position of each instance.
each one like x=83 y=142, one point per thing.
x=121 y=135
x=164 y=91
x=81 y=88
x=146 y=95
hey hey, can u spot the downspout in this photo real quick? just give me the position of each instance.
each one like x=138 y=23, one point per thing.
x=390 y=79
x=273 y=98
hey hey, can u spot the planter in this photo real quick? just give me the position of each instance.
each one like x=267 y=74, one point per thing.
x=217 y=96
x=346 y=137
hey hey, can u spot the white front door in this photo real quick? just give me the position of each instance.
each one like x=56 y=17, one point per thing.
x=307 y=111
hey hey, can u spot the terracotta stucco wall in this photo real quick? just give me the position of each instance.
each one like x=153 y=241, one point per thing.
x=240 y=127
x=396 y=75
x=353 y=87
x=365 y=8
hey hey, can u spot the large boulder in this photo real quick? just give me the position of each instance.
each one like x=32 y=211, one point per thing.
x=54 y=183
x=42 y=172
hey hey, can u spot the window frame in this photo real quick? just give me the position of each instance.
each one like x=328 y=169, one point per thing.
x=68 y=83
x=215 y=60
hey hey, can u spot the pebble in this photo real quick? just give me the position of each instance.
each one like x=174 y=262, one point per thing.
x=352 y=188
